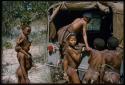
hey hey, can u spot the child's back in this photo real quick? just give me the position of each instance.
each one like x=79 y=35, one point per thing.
x=96 y=59
x=113 y=55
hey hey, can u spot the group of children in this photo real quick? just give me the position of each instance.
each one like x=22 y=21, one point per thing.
x=99 y=60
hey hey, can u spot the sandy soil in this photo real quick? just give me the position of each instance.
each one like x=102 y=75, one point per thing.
x=40 y=74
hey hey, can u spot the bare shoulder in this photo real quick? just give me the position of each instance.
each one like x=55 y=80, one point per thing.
x=23 y=36
x=96 y=52
x=105 y=51
x=83 y=21
x=76 y=20
x=69 y=48
x=20 y=36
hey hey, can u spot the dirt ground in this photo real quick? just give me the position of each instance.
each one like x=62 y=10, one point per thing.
x=40 y=74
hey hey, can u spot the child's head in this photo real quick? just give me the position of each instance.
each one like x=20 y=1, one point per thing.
x=71 y=39
x=26 y=29
x=112 y=43
x=87 y=17
x=99 y=44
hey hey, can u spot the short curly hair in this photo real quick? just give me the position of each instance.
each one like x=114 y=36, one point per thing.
x=112 y=43
x=99 y=44
x=24 y=25
x=87 y=17
x=70 y=34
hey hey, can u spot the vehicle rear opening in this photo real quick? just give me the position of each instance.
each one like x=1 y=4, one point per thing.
x=100 y=25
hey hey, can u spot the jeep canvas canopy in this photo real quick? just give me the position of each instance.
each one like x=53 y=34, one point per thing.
x=116 y=8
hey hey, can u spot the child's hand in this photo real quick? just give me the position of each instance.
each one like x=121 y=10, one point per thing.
x=66 y=77
x=88 y=48
x=83 y=49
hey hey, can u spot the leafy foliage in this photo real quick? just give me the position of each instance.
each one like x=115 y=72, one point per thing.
x=7 y=45
x=17 y=12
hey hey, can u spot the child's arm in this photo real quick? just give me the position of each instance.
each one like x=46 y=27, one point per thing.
x=20 y=39
x=65 y=63
x=92 y=53
x=24 y=52
x=75 y=55
x=65 y=66
x=19 y=49
x=85 y=37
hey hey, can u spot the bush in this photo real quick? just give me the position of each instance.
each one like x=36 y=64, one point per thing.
x=7 y=45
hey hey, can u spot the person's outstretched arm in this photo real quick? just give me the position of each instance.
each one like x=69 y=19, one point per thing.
x=85 y=37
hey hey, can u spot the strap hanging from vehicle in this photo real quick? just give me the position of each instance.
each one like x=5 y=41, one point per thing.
x=54 y=13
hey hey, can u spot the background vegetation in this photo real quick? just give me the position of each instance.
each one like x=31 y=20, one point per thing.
x=16 y=12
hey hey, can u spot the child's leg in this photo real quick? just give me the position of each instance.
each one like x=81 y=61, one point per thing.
x=75 y=78
x=18 y=75
x=23 y=80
